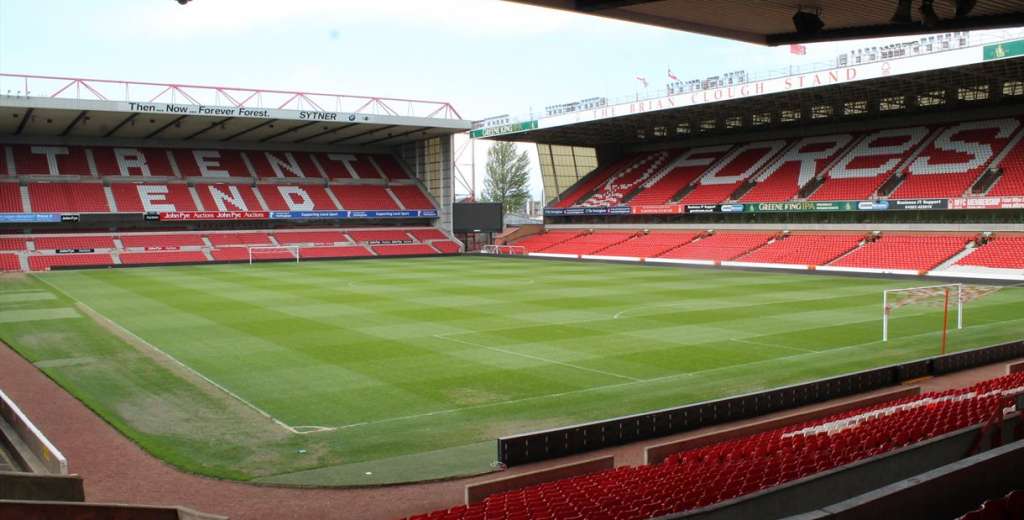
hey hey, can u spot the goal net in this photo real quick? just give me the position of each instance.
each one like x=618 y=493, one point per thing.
x=263 y=253
x=924 y=305
x=503 y=250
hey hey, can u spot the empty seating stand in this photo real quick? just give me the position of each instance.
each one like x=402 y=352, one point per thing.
x=719 y=247
x=999 y=253
x=904 y=252
x=813 y=249
x=712 y=474
x=650 y=245
x=590 y=244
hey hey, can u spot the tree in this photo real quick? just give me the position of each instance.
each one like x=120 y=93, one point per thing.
x=508 y=177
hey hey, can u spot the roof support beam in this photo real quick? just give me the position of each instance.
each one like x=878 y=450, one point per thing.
x=590 y=6
x=123 y=122
x=74 y=122
x=250 y=129
x=326 y=132
x=24 y=121
x=165 y=127
x=878 y=31
x=288 y=131
x=207 y=129
x=357 y=136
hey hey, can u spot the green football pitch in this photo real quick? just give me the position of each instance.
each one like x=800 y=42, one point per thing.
x=377 y=371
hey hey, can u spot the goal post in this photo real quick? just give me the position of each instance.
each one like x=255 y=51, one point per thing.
x=273 y=253
x=943 y=296
x=492 y=249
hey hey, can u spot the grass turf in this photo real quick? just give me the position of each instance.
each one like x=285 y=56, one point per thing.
x=416 y=365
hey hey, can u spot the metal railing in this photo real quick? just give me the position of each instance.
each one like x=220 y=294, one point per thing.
x=64 y=87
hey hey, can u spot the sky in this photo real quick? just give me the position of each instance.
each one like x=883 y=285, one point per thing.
x=486 y=57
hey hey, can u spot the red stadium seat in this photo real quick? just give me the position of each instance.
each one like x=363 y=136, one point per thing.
x=364 y=197
x=10 y=198
x=68 y=197
x=909 y=252
x=156 y=198
x=296 y=198
x=719 y=247
x=412 y=197
x=1000 y=253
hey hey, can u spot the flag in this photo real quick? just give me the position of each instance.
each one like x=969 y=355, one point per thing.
x=671 y=76
x=797 y=49
x=643 y=80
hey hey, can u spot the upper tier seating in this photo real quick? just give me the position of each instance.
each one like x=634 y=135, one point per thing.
x=650 y=245
x=711 y=474
x=804 y=249
x=659 y=189
x=412 y=197
x=1012 y=181
x=10 y=198
x=909 y=252
x=612 y=190
x=297 y=198
x=43 y=242
x=389 y=165
x=953 y=161
x=807 y=158
x=870 y=161
x=155 y=198
x=45 y=160
x=68 y=197
x=719 y=247
x=592 y=181
x=228 y=197
x=364 y=197
x=165 y=241
x=726 y=176
x=590 y=244
x=542 y=241
x=999 y=253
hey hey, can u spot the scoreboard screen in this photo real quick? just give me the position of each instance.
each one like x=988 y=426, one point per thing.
x=478 y=217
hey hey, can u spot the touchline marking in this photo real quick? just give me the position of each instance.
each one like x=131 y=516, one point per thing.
x=97 y=315
x=759 y=344
x=447 y=337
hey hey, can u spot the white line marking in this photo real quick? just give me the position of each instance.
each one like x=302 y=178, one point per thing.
x=447 y=337
x=772 y=345
x=669 y=377
x=111 y=323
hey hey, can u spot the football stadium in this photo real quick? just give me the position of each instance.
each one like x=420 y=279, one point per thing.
x=791 y=294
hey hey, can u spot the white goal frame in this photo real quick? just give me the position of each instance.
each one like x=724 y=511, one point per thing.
x=494 y=249
x=956 y=296
x=293 y=249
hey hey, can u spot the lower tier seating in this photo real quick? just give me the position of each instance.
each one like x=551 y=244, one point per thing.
x=404 y=249
x=711 y=474
x=542 y=241
x=196 y=247
x=719 y=247
x=163 y=257
x=803 y=249
x=909 y=252
x=1000 y=253
x=650 y=245
x=45 y=262
x=589 y=244
x=9 y=262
